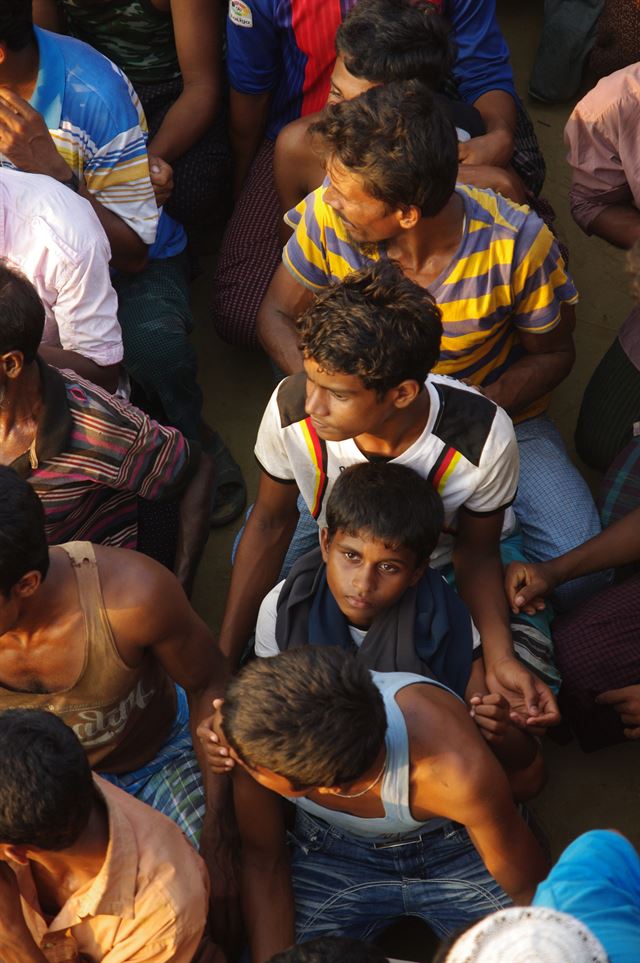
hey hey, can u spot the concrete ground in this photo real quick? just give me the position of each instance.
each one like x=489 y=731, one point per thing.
x=584 y=791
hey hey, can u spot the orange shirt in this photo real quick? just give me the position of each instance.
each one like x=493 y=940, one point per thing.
x=149 y=902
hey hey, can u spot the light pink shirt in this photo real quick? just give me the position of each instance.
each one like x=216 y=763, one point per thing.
x=148 y=903
x=55 y=239
x=604 y=147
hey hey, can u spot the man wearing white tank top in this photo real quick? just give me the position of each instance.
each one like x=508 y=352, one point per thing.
x=401 y=809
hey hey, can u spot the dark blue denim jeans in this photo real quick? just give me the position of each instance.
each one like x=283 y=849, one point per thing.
x=346 y=885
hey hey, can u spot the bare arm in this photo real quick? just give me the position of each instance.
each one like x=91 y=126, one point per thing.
x=195 y=508
x=526 y=584
x=260 y=554
x=454 y=775
x=248 y=114
x=478 y=570
x=297 y=169
x=106 y=376
x=502 y=180
x=284 y=301
x=548 y=361
x=498 y=110
x=197 y=30
x=618 y=224
x=267 y=894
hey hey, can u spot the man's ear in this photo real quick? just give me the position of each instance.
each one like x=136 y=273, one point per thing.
x=325 y=541
x=28 y=585
x=405 y=393
x=15 y=854
x=13 y=363
x=408 y=217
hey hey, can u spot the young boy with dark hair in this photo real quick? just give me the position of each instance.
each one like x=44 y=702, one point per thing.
x=369 y=587
x=400 y=807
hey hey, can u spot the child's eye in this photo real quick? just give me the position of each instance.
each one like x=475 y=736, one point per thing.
x=388 y=568
x=351 y=556
x=338 y=397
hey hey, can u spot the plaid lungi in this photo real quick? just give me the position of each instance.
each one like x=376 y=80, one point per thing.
x=171 y=782
x=620 y=492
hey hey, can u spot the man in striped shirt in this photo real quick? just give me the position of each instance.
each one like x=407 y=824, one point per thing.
x=89 y=456
x=493 y=267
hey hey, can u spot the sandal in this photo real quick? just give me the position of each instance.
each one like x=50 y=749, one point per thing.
x=229 y=494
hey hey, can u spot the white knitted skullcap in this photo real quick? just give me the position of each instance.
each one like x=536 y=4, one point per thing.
x=528 y=934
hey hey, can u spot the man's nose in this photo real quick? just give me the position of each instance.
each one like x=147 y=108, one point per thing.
x=315 y=403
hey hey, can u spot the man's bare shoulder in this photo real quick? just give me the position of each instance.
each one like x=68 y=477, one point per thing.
x=136 y=587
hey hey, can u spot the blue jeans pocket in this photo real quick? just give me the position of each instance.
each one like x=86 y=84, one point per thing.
x=309 y=834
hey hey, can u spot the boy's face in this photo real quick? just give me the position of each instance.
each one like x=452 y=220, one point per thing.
x=344 y=85
x=341 y=407
x=365 y=576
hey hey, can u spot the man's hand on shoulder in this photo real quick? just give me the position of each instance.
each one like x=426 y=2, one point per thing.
x=25 y=139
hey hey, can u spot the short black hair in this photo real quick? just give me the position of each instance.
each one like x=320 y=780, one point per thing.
x=23 y=542
x=385 y=40
x=21 y=314
x=16 y=23
x=376 y=324
x=390 y=503
x=397 y=139
x=46 y=787
x=331 y=949
x=312 y=715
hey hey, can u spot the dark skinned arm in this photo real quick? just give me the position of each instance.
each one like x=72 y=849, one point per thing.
x=283 y=303
x=197 y=31
x=267 y=893
x=455 y=775
x=26 y=141
x=297 y=169
x=193 y=532
x=548 y=361
x=526 y=584
x=618 y=224
x=105 y=376
x=259 y=558
x=478 y=569
x=248 y=114
x=148 y=609
x=502 y=180
x=495 y=148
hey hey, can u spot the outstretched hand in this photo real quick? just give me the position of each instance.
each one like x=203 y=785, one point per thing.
x=532 y=704
x=526 y=584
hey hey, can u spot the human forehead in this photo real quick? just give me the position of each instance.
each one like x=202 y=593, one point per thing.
x=347 y=183
x=374 y=549
x=337 y=381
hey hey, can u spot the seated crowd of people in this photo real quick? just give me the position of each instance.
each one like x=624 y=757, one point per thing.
x=424 y=585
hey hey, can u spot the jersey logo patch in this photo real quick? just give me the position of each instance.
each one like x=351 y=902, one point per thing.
x=240 y=14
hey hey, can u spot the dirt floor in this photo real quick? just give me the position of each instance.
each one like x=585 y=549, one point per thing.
x=584 y=791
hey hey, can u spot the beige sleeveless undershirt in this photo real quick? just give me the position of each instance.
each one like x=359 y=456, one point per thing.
x=121 y=715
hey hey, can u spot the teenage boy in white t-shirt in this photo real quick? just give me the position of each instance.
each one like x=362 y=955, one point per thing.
x=366 y=393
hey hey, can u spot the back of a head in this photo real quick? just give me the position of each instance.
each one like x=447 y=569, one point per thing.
x=525 y=933
x=397 y=139
x=385 y=40
x=21 y=314
x=331 y=949
x=16 y=23
x=312 y=715
x=23 y=542
x=46 y=787
x=391 y=503
x=376 y=324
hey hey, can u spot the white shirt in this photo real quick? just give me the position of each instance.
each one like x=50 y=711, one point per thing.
x=266 y=645
x=54 y=237
x=468 y=451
